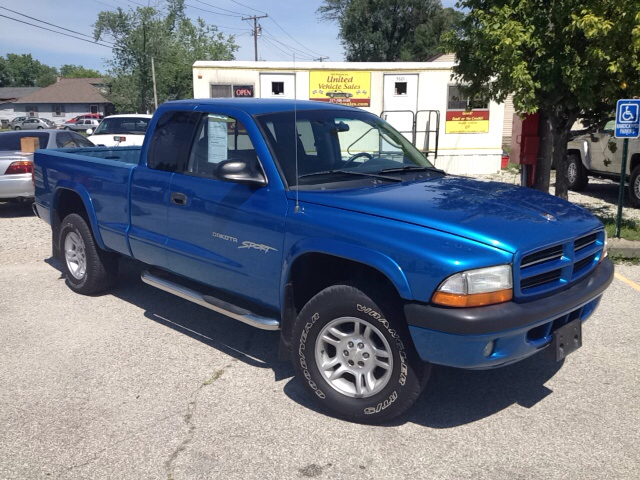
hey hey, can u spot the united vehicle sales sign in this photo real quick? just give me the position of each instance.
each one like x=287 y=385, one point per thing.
x=627 y=119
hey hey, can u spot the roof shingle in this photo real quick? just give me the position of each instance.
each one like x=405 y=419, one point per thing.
x=68 y=90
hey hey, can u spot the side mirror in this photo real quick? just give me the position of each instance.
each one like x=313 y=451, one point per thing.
x=239 y=171
x=89 y=131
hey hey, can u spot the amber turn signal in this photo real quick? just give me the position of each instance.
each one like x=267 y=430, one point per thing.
x=472 y=300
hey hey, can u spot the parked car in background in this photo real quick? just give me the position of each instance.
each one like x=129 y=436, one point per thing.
x=82 y=125
x=35 y=124
x=17 y=121
x=599 y=154
x=121 y=130
x=95 y=116
x=16 y=166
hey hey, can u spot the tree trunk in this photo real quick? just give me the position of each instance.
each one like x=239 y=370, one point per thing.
x=545 y=149
x=560 y=139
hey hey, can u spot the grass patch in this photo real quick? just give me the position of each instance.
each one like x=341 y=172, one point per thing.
x=629 y=229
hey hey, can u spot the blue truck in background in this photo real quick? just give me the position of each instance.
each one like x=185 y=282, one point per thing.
x=323 y=222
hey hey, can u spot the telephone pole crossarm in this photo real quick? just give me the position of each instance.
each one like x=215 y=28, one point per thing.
x=255 y=31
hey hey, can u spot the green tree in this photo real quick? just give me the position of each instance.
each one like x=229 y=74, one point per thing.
x=78 y=71
x=168 y=37
x=25 y=71
x=561 y=58
x=389 y=30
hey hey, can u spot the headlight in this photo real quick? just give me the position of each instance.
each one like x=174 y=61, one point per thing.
x=474 y=288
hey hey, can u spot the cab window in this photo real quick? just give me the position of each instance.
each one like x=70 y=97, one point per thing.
x=219 y=138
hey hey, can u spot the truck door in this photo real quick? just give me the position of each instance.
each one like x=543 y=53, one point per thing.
x=400 y=102
x=602 y=156
x=150 y=185
x=225 y=234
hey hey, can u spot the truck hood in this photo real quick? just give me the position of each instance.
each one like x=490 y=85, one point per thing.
x=504 y=216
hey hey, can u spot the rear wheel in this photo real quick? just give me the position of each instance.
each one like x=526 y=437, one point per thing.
x=88 y=268
x=634 y=187
x=575 y=172
x=356 y=356
x=17 y=128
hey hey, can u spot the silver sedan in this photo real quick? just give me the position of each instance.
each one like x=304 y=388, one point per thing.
x=35 y=124
x=16 y=158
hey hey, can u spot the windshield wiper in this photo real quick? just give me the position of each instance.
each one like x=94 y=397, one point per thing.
x=411 y=168
x=351 y=172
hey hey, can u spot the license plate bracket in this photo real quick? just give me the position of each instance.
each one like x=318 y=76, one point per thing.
x=567 y=339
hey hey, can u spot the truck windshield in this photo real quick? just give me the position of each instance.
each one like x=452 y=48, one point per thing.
x=332 y=146
x=123 y=125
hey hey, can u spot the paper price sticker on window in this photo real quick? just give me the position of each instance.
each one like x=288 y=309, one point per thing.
x=627 y=119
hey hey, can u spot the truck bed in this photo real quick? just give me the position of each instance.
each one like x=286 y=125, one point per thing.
x=101 y=176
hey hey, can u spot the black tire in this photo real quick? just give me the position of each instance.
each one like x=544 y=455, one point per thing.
x=17 y=128
x=88 y=269
x=40 y=128
x=575 y=173
x=67 y=128
x=391 y=389
x=634 y=187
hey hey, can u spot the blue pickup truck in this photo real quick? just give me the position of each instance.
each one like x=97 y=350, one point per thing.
x=325 y=223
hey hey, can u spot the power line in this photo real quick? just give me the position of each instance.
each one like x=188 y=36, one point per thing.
x=47 y=23
x=287 y=34
x=293 y=49
x=54 y=31
x=247 y=6
x=210 y=11
x=220 y=8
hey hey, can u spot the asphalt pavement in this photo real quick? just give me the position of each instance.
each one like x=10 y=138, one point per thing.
x=138 y=384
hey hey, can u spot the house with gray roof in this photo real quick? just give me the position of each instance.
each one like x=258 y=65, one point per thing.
x=65 y=99
x=8 y=97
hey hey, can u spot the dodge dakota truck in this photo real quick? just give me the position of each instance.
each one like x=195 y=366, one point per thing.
x=323 y=222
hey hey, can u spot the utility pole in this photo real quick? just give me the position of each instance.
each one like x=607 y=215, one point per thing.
x=320 y=59
x=256 y=31
x=153 y=75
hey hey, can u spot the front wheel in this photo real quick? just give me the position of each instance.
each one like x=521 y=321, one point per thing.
x=356 y=356
x=87 y=267
x=577 y=177
x=634 y=187
x=17 y=128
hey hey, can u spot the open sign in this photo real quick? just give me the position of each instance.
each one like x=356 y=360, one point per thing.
x=243 y=91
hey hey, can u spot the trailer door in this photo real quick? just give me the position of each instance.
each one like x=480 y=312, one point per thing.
x=400 y=102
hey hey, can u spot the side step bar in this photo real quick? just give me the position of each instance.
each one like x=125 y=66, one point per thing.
x=212 y=303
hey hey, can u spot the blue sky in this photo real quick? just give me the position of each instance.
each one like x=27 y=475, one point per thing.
x=291 y=26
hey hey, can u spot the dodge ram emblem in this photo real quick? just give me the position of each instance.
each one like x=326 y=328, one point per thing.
x=548 y=217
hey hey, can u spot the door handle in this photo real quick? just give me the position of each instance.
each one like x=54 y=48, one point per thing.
x=178 y=198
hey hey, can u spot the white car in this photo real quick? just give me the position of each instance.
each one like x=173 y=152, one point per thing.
x=121 y=130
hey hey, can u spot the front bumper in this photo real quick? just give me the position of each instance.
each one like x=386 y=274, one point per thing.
x=458 y=337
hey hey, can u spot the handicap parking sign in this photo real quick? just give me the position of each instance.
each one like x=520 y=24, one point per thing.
x=627 y=119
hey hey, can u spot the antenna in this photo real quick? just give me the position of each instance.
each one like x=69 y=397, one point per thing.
x=295 y=132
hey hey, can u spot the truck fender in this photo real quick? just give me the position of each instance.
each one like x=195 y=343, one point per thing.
x=80 y=191
x=379 y=261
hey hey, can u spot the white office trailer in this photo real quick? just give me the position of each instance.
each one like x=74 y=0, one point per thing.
x=418 y=99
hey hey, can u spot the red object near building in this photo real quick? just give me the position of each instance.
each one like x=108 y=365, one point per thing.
x=525 y=144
